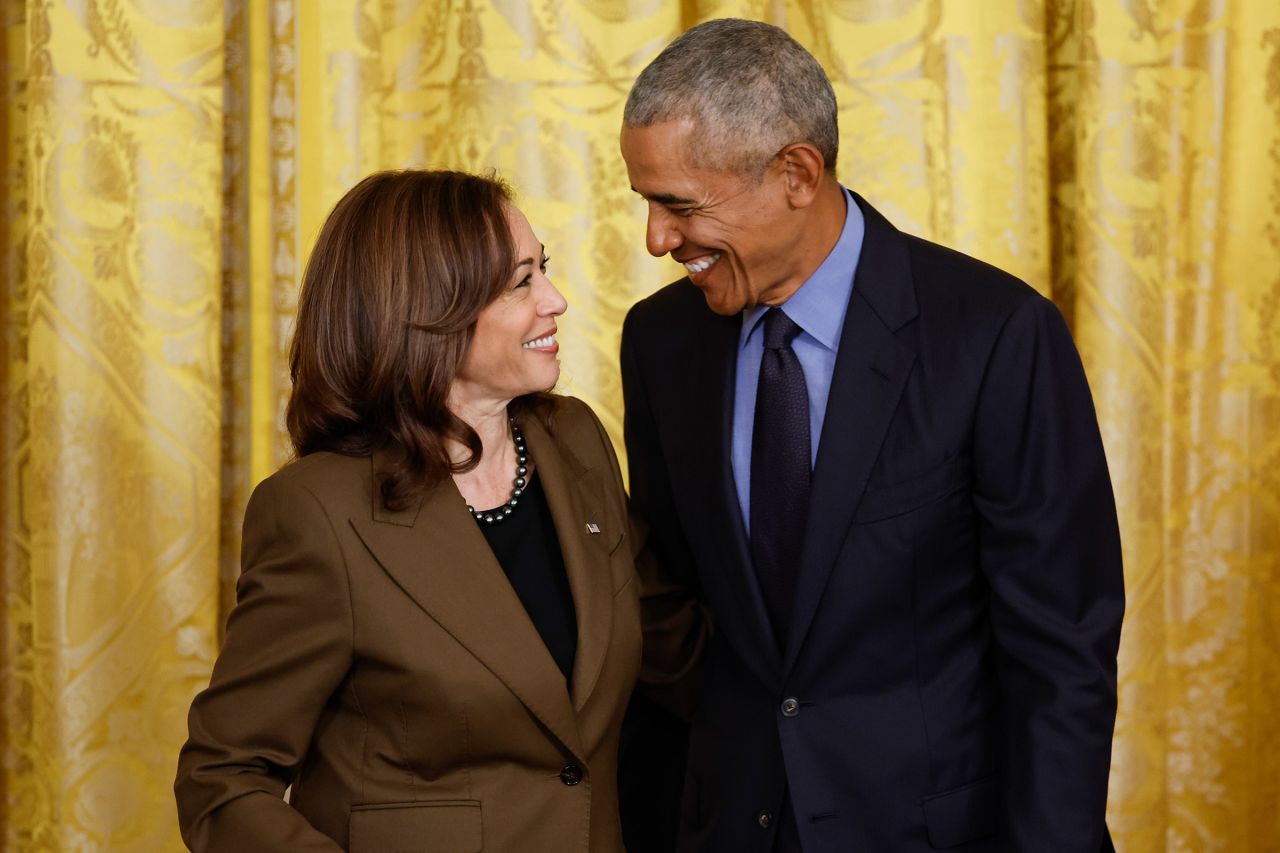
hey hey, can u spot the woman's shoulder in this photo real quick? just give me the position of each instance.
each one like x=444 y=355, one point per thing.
x=328 y=477
x=575 y=426
x=571 y=408
x=571 y=420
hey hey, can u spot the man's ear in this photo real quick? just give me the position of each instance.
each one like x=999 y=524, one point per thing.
x=805 y=172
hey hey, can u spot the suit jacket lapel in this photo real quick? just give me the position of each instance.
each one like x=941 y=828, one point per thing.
x=438 y=556
x=871 y=370
x=576 y=497
x=728 y=570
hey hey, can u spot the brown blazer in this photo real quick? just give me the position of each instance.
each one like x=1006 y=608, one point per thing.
x=381 y=664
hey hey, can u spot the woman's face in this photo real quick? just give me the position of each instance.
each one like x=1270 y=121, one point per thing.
x=514 y=348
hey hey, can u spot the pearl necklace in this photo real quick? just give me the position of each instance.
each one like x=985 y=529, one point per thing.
x=499 y=514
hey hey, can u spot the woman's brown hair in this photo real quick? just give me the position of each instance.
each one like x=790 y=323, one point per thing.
x=400 y=272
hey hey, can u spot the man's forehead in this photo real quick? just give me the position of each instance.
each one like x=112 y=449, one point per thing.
x=656 y=144
x=660 y=165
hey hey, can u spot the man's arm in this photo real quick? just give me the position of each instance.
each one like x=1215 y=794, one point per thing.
x=1050 y=549
x=674 y=621
x=655 y=732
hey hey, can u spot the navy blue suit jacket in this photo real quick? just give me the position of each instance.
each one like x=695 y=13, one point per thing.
x=959 y=595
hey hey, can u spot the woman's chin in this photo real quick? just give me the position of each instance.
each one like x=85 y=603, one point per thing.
x=542 y=380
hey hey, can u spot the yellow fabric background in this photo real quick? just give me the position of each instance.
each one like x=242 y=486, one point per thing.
x=167 y=165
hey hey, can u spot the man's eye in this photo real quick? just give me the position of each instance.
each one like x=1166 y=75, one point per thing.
x=685 y=212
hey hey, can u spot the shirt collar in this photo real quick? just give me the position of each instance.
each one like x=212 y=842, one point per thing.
x=819 y=306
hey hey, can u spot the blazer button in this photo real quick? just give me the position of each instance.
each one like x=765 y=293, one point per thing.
x=764 y=819
x=790 y=706
x=571 y=774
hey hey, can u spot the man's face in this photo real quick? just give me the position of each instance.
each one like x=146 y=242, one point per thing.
x=734 y=237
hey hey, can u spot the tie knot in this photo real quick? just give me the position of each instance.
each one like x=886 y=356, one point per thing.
x=779 y=329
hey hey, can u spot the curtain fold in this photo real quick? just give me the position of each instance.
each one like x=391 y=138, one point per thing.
x=1176 y=281
x=168 y=165
x=113 y=412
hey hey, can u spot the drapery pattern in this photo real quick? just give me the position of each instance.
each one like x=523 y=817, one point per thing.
x=168 y=164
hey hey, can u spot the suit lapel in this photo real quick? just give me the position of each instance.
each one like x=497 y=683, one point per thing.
x=438 y=556
x=728 y=570
x=576 y=497
x=871 y=370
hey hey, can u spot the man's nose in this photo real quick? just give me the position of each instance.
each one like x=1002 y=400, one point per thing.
x=661 y=235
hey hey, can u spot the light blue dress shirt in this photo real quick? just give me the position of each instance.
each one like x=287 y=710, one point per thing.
x=818 y=308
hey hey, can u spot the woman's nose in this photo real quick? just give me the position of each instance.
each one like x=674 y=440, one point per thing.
x=554 y=304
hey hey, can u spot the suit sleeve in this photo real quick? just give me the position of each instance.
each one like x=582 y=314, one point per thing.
x=288 y=647
x=676 y=624
x=1050 y=549
x=675 y=627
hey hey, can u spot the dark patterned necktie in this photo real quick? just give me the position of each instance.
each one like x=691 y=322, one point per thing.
x=779 y=470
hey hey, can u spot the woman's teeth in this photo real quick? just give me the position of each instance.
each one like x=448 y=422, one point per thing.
x=540 y=342
x=700 y=265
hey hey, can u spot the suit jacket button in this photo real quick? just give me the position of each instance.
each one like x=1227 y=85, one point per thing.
x=764 y=819
x=790 y=706
x=571 y=774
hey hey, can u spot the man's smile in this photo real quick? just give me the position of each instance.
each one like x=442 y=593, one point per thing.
x=701 y=263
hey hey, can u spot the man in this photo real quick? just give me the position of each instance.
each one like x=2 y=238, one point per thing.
x=877 y=463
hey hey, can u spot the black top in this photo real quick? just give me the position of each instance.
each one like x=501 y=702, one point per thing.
x=528 y=550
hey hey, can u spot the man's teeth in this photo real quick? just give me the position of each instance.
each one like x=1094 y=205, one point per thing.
x=540 y=342
x=699 y=266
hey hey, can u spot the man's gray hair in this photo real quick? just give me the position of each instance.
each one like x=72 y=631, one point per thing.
x=748 y=88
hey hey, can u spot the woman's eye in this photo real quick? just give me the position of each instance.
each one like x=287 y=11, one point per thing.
x=525 y=282
x=543 y=266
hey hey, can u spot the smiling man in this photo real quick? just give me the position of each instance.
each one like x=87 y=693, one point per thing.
x=876 y=463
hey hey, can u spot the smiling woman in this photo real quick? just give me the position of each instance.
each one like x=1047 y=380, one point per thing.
x=434 y=616
x=514 y=347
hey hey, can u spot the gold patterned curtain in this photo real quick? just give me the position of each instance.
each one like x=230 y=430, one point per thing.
x=167 y=165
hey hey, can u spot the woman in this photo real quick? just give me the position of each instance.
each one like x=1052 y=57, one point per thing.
x=436 y=630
